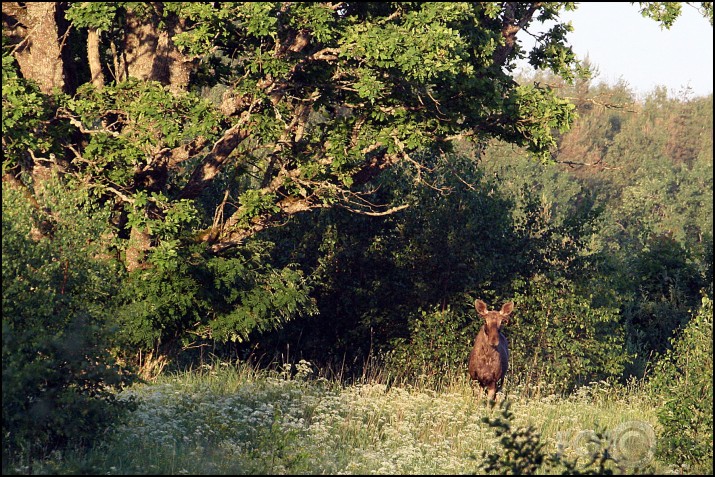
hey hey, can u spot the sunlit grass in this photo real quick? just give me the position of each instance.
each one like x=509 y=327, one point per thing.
x=234 y=419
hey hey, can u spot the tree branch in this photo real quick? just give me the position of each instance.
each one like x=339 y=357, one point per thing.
x=65 y=114
x=511 y=25
x=205 y=172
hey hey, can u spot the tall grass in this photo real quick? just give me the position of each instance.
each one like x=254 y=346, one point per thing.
x=234 y=419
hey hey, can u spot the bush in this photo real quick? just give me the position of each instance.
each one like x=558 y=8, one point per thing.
x=438 y=346
x=684 y=381
x=560 y=338
x=522 y=451
x=58 y=376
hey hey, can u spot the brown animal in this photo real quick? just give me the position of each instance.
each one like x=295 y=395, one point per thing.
x=489 y=357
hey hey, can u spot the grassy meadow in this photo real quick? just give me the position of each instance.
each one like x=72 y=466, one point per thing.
x=233 y=419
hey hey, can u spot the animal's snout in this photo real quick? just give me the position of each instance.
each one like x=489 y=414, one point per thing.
x=493 y=335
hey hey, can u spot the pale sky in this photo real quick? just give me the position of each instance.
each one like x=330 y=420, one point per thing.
x=623 y=44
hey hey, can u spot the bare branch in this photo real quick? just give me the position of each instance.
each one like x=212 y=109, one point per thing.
x=420 y=167
x=628 y=107
x=598 y=163
x=510 y=27
x=184 y=152
x=373 y=213
x=326 y=54
x=65 y=114
x=119 y=194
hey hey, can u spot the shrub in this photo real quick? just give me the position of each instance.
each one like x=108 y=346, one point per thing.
x=438 y=346
x=561 y=338
x=522 y=451
x=684 y=380
x=58 y=376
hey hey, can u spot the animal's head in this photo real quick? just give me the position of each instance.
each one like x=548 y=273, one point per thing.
x=494 y=320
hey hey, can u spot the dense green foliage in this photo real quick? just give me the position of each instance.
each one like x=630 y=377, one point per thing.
x=59 y=379
x=336 y=182
x=685 y=378
x=563 y=337
x=184 y=296
x=24 y=114
x=250 y=114
x=600 y=289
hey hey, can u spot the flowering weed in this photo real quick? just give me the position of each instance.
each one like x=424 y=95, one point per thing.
x=232 y=419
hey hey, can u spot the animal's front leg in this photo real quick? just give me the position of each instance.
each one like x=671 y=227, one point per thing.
x=492 y=392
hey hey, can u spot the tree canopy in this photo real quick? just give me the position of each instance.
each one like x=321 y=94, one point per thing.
x=195 y=127
x=275 y=108
x=199 y=125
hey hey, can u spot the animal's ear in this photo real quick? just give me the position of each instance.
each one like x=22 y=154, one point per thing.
x=481 y=307
x=507 y=308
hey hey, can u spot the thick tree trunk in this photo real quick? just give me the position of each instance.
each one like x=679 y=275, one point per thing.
x=33 y=28
x=93 y=56
x=149 y=52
